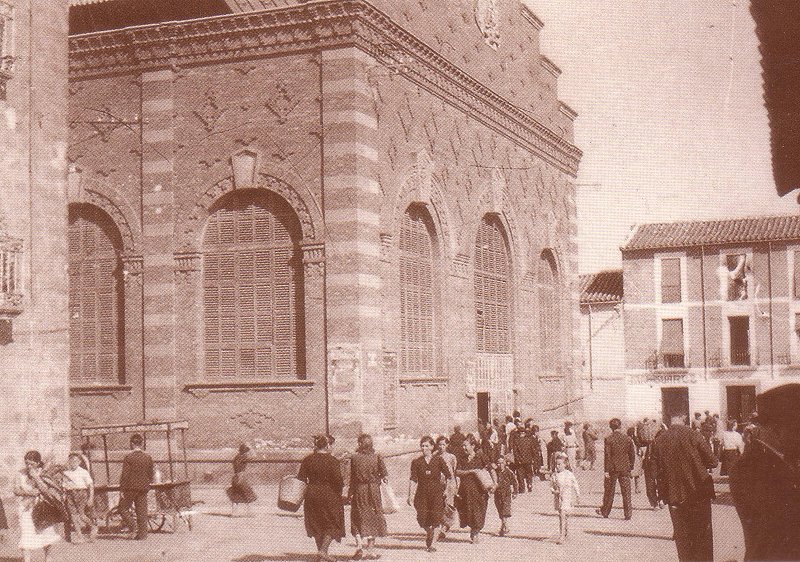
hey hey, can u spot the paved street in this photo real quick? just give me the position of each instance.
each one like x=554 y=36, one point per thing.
x=272 y=535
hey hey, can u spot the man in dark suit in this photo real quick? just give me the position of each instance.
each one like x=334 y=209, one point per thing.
x=682 y=458
x=137 y=474
x=765 y=482
x=620 y=454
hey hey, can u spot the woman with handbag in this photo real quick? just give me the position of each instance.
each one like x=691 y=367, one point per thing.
x=32 y=490
x=426 y=490
x=473 y=493
x=367 y=471
x=323 y=507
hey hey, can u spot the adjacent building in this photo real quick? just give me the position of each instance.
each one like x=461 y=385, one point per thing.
x=34 y=352
x=712 y=314
x=602 y=338
x=287 y=217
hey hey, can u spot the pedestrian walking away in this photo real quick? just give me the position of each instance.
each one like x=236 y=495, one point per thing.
x=619 y=458
x=426 y=488
x=571 y=445
x=589 y=448
x=473 y=498
x=134 y=483
x=367 y=471
x=683 y=458
x=566 y=493
x=765 y=481
x=323 y=508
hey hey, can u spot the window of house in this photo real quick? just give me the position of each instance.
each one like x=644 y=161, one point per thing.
x=737 y=270
x=417 y=302
x=549 y=310
x=740 y=340
x=672 y=354
x=253 y=305
x=492 y=289
x=96 y=297
x=671 y=280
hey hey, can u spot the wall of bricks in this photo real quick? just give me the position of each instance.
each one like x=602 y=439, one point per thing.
x=349 y=141
x=33 y=134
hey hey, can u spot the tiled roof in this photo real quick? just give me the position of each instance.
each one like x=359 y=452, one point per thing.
x=709 y=233
x=602 y=287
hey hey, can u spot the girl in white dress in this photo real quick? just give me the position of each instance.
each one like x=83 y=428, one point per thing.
x=27 y=488
x=566 y=493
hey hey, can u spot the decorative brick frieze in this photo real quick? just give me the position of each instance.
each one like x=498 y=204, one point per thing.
x=320 y=25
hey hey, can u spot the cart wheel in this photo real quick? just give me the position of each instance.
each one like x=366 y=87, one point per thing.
x=156 y=522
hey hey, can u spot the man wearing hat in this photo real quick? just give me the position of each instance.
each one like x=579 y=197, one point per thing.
x=765 y=483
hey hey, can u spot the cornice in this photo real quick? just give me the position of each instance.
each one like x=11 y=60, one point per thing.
x=320 y=25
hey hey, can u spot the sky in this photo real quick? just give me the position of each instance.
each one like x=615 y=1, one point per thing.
x=671 y=119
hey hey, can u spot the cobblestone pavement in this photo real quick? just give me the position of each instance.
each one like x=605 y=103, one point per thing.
x=273 y=535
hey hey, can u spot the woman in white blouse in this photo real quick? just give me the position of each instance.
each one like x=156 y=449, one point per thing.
x=732 y=448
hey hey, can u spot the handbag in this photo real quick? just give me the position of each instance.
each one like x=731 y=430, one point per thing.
x=485 y=478
x=389 y=501
x=48 y=512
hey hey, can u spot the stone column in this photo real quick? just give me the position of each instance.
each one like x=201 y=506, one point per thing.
x=353 y=249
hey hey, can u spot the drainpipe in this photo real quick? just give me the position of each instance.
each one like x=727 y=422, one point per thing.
x=591 y=379
x=703 y=309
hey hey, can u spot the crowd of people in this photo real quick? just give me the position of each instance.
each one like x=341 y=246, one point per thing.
x=450 y=483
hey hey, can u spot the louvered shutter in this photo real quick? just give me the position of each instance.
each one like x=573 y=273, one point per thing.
x=492 y=292
x=252 y=284
x=417 y=308
x=95 y=297
x=671 y=280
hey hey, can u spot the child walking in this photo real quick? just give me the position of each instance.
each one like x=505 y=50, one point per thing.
x=505 y=492
x=566 y=492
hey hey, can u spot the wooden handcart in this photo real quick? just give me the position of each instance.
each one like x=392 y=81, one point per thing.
x=169 y=501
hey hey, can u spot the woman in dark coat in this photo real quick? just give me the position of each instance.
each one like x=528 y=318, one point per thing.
x=240 y=490
x=427 y=488
x=323 y=505
x=367 y=470
x=472 y=499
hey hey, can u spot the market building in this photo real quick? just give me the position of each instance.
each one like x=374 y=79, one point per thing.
x=287 y=217
x=34 y=351
x=712 y=314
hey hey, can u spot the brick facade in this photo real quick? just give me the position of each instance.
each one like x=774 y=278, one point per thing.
x=33 y=138
x=718 y=364
x=350 y=115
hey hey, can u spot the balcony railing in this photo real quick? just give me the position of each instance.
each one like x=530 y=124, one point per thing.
x=673 y=361
x=740 y=357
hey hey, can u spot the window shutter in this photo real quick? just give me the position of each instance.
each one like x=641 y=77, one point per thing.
x=672 y=337
x=417 y=313
x=797 y=275
x=671 y=280
x=95 y=297
x=492 y=295
x=253 y=290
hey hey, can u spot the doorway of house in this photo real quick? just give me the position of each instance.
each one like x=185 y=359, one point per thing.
x=741 y=402
x=675 y=401
x=483 y=406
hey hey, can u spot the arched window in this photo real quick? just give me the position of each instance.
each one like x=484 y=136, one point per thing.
x=417 y=294
x=96 y=298
x=492 y=288
x=253 y=289
x=549 y=311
